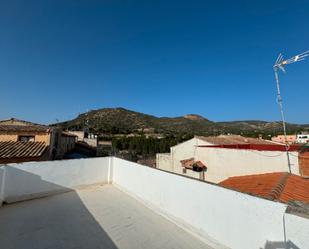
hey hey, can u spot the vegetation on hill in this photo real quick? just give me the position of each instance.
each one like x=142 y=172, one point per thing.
x=121 y=121
x=137 y=136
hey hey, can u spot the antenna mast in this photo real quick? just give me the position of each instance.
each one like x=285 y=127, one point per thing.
x=280 y=64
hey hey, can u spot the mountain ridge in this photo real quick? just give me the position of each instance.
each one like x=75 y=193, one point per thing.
x=121 y=120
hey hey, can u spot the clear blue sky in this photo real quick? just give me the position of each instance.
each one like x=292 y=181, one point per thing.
x=165 y=58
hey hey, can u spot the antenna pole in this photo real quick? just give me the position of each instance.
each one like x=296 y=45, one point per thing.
x=279 y=101
x=280 y=64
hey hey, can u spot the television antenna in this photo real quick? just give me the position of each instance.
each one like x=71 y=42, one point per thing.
x=280 y=64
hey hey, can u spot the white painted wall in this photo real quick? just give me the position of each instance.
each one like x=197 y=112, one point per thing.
x=183 y=151
x=297 y=230
x=234 y=219
x=163 y=161
x=2 y=178
x=34 y=179
x=180 y=152
x=215 y=214
x=223 y=163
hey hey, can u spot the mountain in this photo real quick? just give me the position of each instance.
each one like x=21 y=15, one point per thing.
x=120 y=120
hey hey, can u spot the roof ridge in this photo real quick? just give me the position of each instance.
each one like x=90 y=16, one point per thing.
x=278 y=189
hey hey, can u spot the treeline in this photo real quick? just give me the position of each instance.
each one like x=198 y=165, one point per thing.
x=140 y=145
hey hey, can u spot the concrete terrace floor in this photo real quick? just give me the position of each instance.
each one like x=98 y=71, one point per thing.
x=94 y=217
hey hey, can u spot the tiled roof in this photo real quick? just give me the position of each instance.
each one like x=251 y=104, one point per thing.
x=279 y=186
x=28 y=128
x=19 y=149
x=233 y=139
x=14 y=124
x=189 y=163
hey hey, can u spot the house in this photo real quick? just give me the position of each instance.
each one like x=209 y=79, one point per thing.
x=24 y=131
x=225 y=161
x=277 y=186
x=32 y=138
x=302 y=138
x=67 y=143
x=88 y=138
x=229 y=155
x=291 y=139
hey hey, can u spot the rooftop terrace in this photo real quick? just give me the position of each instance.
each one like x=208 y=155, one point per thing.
x=113 y=203
x=93 y=217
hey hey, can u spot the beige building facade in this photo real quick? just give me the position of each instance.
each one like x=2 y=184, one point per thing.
x=291 y=139
x=57 y=142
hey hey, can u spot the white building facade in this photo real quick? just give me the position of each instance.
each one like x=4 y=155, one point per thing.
x=222 y=163
x=171 y=161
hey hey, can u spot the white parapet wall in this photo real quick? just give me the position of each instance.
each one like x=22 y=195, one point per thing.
x=1 y=185
x=217 y=215
x=35 y=179
x=297 y=231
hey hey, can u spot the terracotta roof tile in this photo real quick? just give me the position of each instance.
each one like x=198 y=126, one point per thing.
x=189 y=163
x=279 y=186
x=19 y=149
x=8 y=128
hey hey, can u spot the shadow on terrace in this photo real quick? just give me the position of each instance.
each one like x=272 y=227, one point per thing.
x=97 y=216
x=58 y=221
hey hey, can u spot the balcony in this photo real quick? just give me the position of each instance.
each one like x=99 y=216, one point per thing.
x=112 y=203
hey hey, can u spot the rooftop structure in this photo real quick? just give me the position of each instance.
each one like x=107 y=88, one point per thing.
x=113 y=203
x=230 y=155
x=93 y=217
x=280 y=186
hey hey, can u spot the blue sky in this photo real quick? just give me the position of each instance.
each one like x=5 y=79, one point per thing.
x=165 y=58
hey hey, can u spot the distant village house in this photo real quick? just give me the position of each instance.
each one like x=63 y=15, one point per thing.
x=215 y=159
x=22 y=141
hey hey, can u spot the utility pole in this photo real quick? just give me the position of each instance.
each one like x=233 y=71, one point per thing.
x=280 y=64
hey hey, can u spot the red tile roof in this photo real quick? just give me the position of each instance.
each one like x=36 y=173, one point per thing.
x=189 y=163
x=19 y=149
x=279 y=186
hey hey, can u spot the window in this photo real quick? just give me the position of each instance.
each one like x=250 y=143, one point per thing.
x=26 y=138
